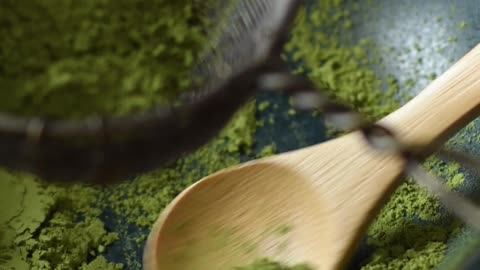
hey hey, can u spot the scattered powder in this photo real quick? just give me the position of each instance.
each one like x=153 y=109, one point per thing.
x=48 y=227
x=267 y=151
x=411 y=232
x=338 y=70
x=266 y=264
x=453 y=40
x=262 y=106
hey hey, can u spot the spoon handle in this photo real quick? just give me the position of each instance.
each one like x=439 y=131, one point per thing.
x=447 y=104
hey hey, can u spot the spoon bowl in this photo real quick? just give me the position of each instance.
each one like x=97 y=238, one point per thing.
x=275 y=208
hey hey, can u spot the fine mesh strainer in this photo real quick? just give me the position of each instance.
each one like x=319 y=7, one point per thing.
x=245 y=44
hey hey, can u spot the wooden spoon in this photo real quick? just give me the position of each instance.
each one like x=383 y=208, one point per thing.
x=311 y=205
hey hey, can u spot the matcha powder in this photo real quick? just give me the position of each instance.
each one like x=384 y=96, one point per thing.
x=71 y=59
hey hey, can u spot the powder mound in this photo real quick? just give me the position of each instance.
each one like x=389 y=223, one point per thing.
x=115 y=57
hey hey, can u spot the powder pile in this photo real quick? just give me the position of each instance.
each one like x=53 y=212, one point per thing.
x=70 y=59
x=42 y=226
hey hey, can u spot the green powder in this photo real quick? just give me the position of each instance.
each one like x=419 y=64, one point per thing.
x=42 y=228
x=267 y=151
x=72 y=59
x=340 y=71
x=263 y=106
x=410 y=232
x=266 y=264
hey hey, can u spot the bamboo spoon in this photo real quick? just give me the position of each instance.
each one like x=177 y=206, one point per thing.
x=311 y=205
